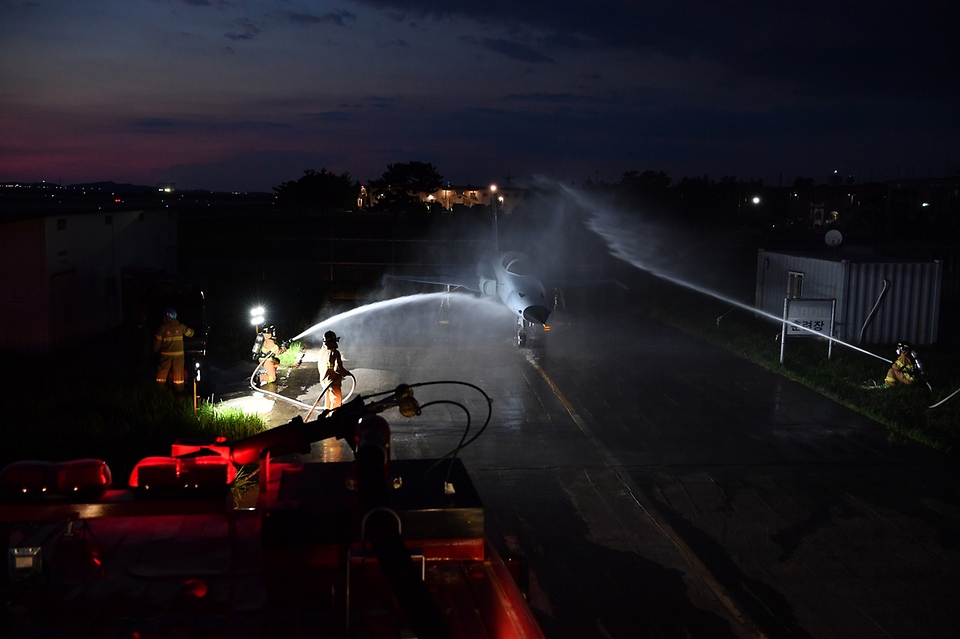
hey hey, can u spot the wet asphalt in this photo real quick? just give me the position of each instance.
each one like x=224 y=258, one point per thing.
x=658 y=486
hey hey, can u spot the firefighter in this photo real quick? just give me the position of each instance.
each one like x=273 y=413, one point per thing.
x=905 y=369
x=269 y=363
x=332 y=371
x=168 y=342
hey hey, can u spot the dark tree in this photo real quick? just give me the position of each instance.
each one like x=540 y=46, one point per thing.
x=322 y=189
x=648 y=191
x=649 y=183
x=696 y=198
x=399 y=188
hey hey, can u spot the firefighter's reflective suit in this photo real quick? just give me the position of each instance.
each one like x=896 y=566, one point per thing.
x=332 y=371
x=905 y=369
x=269 y=364
x=168 y=342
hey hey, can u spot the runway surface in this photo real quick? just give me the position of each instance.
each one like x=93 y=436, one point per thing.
x=662 y=487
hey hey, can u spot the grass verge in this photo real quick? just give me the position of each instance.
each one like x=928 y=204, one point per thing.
x=849 y=377
x=289 y=357
x=76 y=407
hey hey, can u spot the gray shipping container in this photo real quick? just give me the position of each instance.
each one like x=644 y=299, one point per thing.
x=879 y=301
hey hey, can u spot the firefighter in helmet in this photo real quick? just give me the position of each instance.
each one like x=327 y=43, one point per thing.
x=332 y=371
x=168 y=342
x=268 y=353
x=906 y=368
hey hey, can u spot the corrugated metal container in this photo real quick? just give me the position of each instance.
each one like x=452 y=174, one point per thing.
x=878 y=301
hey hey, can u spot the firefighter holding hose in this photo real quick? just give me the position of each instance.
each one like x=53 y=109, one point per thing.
x=267 y=352
x=332 y=371
x=906 y=369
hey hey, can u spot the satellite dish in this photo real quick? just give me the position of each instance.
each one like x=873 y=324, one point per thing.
x=833 y=238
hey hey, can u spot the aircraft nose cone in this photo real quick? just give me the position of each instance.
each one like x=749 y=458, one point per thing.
x=538 y=314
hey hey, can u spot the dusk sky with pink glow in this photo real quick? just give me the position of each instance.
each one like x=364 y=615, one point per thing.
x=245 y=94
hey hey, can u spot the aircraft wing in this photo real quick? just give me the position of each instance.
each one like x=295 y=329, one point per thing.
x=580 y=282
x=465 y=280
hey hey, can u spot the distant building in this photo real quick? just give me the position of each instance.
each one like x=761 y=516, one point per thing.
x=920 y=209
x=453 y=198
x=450 y=196
x=61 y=276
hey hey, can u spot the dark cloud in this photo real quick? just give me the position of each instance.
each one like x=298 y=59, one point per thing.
x=752 y=88
x=329 y=116
x=563 y=138
x=514 y=50
x=566 y=41
x=881 y=47
x=178 y=126
x=339 y=18
x=257 y=170
x=248 y=30
x=381 y=103
x=554 y=98
x=220 y=4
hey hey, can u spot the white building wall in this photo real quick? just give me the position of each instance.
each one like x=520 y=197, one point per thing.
x=907 y=307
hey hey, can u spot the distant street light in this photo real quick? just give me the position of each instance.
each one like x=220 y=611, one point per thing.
x=756 y=199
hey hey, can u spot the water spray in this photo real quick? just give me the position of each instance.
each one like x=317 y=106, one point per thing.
x=360 y=310
x=368 y=308
x=601 y=223
x=734 y=308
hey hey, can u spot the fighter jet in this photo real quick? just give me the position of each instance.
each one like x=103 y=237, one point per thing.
x=510 y=277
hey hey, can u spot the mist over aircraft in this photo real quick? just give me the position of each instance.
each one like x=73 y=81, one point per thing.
x=513 y=278
x=509 y=276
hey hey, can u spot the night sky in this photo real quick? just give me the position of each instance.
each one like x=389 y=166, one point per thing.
x=245 y=94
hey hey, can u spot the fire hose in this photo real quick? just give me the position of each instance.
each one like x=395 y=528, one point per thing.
x=944 y=400
x=323 y=394
x=295 y=402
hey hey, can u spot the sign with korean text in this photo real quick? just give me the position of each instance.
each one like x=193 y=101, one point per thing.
x=809 y=318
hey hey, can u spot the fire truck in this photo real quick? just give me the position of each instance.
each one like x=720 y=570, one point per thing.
x=371 y=547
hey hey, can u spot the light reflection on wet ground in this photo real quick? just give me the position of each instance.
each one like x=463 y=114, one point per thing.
x=695 y=487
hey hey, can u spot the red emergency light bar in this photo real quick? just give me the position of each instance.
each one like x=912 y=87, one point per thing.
x=56 y=479
x=174 y=473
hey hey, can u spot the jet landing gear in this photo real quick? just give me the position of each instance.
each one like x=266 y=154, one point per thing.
x=527 y=332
